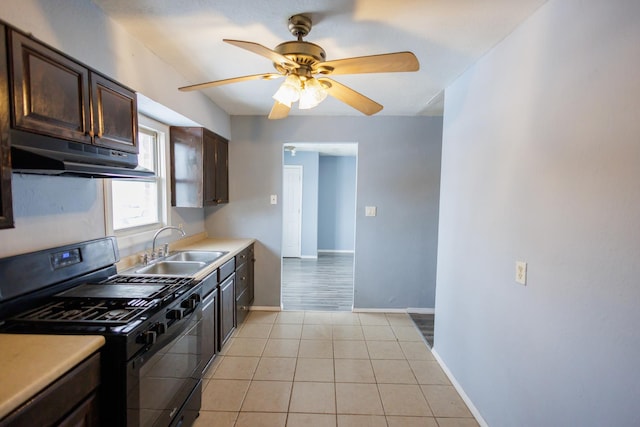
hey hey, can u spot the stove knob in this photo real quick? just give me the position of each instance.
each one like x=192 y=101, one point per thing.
x=191 y=302
x=147 y=337
x=160 y=328
x=175 y=314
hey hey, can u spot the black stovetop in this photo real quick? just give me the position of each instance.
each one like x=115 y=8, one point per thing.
x=113 y=302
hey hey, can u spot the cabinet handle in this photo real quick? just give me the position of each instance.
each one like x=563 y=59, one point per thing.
x=243 y=278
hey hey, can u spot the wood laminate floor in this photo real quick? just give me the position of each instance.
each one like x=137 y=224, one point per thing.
x=424 y=322
x=322 y=284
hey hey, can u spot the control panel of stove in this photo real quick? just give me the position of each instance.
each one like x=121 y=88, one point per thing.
x=165 y=321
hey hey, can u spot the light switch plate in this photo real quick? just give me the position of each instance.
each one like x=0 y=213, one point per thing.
x=274 y=199
x=370 y=211
x=521 y=272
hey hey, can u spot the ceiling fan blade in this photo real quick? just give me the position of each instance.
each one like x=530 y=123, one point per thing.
x=350 y=97
x=384 y=63
x=279 y=111
x=266 y=76
x=272 y=55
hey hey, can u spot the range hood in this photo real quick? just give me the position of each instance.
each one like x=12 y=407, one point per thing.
x=43 y=155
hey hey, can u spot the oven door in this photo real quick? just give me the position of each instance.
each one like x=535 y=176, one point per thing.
x=162 y=380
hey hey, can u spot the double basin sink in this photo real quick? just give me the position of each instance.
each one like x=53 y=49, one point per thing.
x=185 y=263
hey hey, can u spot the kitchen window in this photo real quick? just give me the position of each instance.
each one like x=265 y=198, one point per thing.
x=133 y=208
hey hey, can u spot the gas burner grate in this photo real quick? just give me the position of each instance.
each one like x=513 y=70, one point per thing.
x=87 y=312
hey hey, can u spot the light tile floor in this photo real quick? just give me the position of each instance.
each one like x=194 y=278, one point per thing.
x=288 y=369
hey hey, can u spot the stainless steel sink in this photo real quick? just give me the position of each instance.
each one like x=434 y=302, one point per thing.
x=199 y=256
x=172 y=268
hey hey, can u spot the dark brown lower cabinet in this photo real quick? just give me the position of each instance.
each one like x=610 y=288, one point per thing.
x=244 y=283
x=227 y=308
x=85 y=415
x=69 y=401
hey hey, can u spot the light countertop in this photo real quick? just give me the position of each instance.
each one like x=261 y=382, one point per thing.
x=29 y=363
x=232 y=246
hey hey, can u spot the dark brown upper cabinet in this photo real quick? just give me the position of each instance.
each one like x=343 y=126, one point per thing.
x=199 y=167
x=56 y=96
x=6 y=207
x=115 y=113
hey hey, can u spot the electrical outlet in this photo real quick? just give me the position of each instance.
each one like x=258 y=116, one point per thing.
x=274 y=199
x=370 y=211
x=521 y=272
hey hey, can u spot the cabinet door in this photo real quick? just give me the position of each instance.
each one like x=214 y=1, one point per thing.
x=227 y=309
x=186 y=167
x=115 y=115
x=222 y=170
x=50 y=91
x=209 y=148
x=209 y=328
x=242 y=279
x=242 y=307
x=85 y=415
x=6 y=207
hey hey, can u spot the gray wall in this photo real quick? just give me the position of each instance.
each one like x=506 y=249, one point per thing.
x=337 y=203
x=398 y=171
x=310 y=162
x=541 y=163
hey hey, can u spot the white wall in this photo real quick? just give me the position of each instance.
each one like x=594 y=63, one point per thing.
x=398 y=171
x=541 y=163
x=56 y=211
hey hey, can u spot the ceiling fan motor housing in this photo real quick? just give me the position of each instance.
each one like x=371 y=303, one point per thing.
x=304 y=53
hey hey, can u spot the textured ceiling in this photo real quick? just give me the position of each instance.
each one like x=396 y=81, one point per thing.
x=447 y=36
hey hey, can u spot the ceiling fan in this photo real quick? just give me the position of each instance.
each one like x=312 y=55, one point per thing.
x=304 y=67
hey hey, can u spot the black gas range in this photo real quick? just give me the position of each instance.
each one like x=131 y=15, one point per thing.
x=152 y=326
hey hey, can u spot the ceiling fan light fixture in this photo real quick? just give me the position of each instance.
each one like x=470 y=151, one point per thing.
x=312 y=94
x=289 y=90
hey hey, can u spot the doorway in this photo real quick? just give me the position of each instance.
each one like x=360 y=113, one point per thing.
x=318 y=238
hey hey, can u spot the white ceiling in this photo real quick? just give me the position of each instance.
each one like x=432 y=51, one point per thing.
x=447 y=36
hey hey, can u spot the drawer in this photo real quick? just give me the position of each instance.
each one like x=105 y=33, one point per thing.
x=226 y=269
x=242 y=307
x=244 y=256
x=242 y=278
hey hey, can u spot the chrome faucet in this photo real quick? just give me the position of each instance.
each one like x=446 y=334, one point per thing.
x=168 y=227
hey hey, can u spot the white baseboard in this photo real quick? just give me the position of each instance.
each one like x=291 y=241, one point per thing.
x=395 y=310
x=421 y=310
x=379 y=310
x=309 y=256
x=336 y=251
x=263 y=308
x=460 y=390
